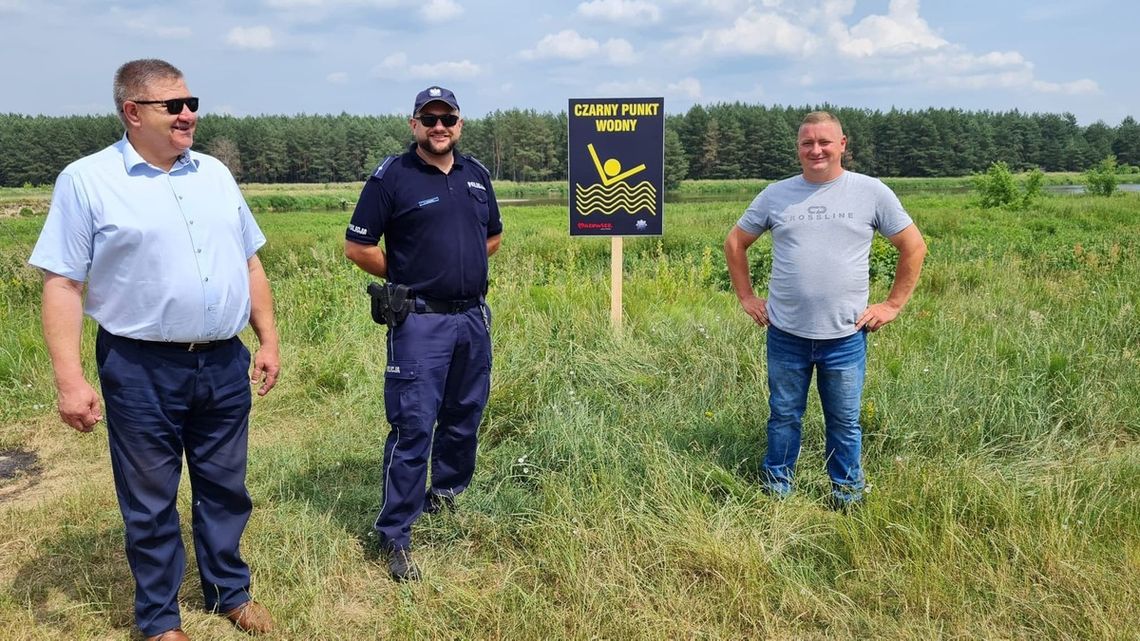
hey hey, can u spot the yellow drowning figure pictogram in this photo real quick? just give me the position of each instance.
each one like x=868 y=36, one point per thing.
x=613 y=194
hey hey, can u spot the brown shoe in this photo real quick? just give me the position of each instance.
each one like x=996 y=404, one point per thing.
x=251 y=617
x=170 y=635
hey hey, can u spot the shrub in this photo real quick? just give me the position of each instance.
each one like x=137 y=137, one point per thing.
x=1100 y=179
x=1032 y=187
x=996 y=187
x=882 y=261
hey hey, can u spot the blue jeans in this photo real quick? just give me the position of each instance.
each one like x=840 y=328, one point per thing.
x=841 y=364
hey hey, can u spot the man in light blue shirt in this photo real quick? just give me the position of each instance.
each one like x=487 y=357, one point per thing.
x=817 y=313
x=166 y=246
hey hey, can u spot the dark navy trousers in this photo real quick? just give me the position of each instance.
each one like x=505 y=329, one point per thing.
x=162 y=403
x=436 y=385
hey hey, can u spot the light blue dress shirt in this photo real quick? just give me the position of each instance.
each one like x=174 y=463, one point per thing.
x=164 y=254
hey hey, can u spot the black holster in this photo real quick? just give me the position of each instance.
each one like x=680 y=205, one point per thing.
x=390 y=303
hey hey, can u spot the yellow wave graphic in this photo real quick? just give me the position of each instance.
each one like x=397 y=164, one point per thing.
x=631 y=207
x=609 y=200
x=602 y=199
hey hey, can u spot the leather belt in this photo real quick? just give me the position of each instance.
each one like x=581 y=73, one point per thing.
x=198 y=346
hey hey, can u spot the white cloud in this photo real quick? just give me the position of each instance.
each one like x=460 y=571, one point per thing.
x=259 y=37
x=900 y=32
x=392 y=66
x=623 y=11
x=1020 y=78
x=453 y=69
x=569 y=45
x=775 y=28
x=1002 y=58
x=1017 y=79
x=396 y=66
x=440 y=10
x=619 y=51
x=952 y=68
x=337 y=78
x=899 y=47
x=717 y=6
x=754 y=33
x=565 y=45
x=1077 y=87
x=628 y=88
x=953 y=61
x=686 y=87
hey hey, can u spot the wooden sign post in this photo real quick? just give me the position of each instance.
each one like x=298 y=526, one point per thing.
x=615 y=283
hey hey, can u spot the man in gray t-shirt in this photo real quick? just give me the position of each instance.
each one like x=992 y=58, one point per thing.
x=817 y=313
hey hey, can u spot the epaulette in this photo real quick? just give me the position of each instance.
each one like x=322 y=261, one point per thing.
x=384 y=164
x=478 y=164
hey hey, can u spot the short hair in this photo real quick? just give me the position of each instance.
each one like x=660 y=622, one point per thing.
x=817 y=117
x=134 y=77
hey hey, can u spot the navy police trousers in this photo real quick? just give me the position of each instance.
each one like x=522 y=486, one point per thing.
x=436 y=385
x=162 y=402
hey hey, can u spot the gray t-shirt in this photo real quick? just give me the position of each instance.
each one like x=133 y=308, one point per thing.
x=821 y=245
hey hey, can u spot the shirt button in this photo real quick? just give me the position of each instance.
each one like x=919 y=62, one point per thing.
x=206 y=279
x=191 y=222
x=199 y=251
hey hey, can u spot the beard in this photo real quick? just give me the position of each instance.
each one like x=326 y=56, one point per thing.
x=430 y=147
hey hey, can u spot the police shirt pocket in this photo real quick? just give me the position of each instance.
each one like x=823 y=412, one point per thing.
x=479 y=200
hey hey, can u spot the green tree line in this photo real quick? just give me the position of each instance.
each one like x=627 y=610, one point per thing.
x=727 y=140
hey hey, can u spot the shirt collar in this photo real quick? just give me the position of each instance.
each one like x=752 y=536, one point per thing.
x=132 y=159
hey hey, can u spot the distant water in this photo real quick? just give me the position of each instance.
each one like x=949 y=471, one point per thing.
x=1080 y=189
x=696 y=198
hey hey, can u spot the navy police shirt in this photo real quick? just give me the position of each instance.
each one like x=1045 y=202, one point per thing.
x=435 y=225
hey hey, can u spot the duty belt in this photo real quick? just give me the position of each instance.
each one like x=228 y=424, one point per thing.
x=431 y=306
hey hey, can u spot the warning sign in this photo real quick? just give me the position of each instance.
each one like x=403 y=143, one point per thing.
x=616 y=166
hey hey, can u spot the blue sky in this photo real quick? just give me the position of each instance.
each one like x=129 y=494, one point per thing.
x=372 y=56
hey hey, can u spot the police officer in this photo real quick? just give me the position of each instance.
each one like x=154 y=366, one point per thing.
x=437 y=213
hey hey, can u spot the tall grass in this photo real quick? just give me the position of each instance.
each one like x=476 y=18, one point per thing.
x=617 y=491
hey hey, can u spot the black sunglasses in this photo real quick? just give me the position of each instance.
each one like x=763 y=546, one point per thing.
x=174 y=105
x=429 y=120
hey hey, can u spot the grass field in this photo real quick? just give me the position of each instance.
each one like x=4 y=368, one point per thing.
x=617 y=494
